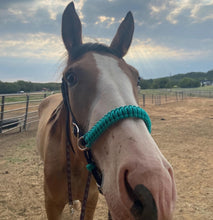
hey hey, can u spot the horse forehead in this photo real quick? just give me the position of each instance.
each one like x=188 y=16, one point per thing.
x=111 y=67
x=96 y=64
x=86 y=62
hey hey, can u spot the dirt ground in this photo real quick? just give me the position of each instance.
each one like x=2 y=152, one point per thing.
x=183 y=132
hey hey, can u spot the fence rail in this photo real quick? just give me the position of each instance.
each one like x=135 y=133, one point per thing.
x=158 y=99
x=163 y=96
x=208 y=93
x=19 y=110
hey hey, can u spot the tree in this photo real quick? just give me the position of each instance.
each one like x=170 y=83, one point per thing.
x=161 y=83
x=188 y=83
x=145 y=84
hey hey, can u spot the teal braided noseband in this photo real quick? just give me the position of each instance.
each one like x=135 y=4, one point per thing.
x=111 y=118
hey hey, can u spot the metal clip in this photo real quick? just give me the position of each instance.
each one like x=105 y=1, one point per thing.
x=79 y=139
x=80 y=145
x=77 y=129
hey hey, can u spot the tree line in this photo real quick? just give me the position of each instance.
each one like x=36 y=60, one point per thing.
x=188 y=80
x=18 y=86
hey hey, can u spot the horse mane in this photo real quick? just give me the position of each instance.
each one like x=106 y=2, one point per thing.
x=96 y=47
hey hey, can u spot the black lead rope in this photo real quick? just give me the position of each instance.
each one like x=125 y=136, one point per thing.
x=88 y=155
x=95 y=171
x=67 y=106
x=69 y=187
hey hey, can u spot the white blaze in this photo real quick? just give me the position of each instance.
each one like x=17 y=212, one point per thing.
x=114 y=88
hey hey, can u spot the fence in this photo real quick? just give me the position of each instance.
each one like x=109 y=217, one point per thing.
x=163 y=96
x=158 y=99
x=198 y=93
x=19 y=110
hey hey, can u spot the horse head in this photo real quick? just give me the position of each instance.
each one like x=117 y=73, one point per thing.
x=137 y=180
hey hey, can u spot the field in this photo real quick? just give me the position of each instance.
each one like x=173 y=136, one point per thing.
x=183 y=131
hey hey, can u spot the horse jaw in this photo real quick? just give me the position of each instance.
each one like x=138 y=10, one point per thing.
x=126 y=153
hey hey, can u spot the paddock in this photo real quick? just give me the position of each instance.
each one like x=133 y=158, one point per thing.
x=183 y=131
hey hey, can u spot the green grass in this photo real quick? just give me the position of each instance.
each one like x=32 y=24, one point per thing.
x=206 y=91
x=15 y=98
x=204 y=88
x=23 y=97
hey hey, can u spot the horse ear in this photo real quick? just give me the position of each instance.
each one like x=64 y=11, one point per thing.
x=123 y=37
x=71 y=28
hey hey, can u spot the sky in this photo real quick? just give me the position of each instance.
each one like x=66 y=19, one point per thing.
x=171 y=36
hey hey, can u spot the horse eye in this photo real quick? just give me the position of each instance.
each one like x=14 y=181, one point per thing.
x=71 y=78
x=139 y=80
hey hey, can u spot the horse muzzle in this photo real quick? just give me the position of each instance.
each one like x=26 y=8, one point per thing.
x=149 y=195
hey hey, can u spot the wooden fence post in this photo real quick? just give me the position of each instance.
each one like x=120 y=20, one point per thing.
x=156 y=100
x=176 y=93
x=26 y=112
x=152 y=98
x=2 y=112
x=143 y=100
x=166 y=98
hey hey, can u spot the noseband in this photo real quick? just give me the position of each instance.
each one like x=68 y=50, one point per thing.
x=86 y=140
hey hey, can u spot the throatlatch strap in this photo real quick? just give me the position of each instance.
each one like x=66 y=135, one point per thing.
x=111 y=118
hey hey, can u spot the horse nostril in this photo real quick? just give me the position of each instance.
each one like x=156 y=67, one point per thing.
x=144 y=206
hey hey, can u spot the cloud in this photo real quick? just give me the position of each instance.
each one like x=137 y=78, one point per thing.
x=201 y=13
x=148 y=49
x=37 y=46
x=116 y=9
x=32 y=21
x=155 y=9
x=191 y=10
x=40 y=46
x=165 y=31
x=6 y=3
x=107 y=21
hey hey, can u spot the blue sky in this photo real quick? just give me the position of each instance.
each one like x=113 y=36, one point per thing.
x=171 y=36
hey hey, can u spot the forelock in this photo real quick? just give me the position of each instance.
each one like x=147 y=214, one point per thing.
x=95 y=47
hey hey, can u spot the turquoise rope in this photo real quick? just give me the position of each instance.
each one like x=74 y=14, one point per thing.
x=111 y=118
x=90 y=166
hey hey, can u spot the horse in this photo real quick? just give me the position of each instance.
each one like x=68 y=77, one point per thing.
x=128 y=168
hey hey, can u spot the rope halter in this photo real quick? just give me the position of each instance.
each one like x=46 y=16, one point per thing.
x=86 y=141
